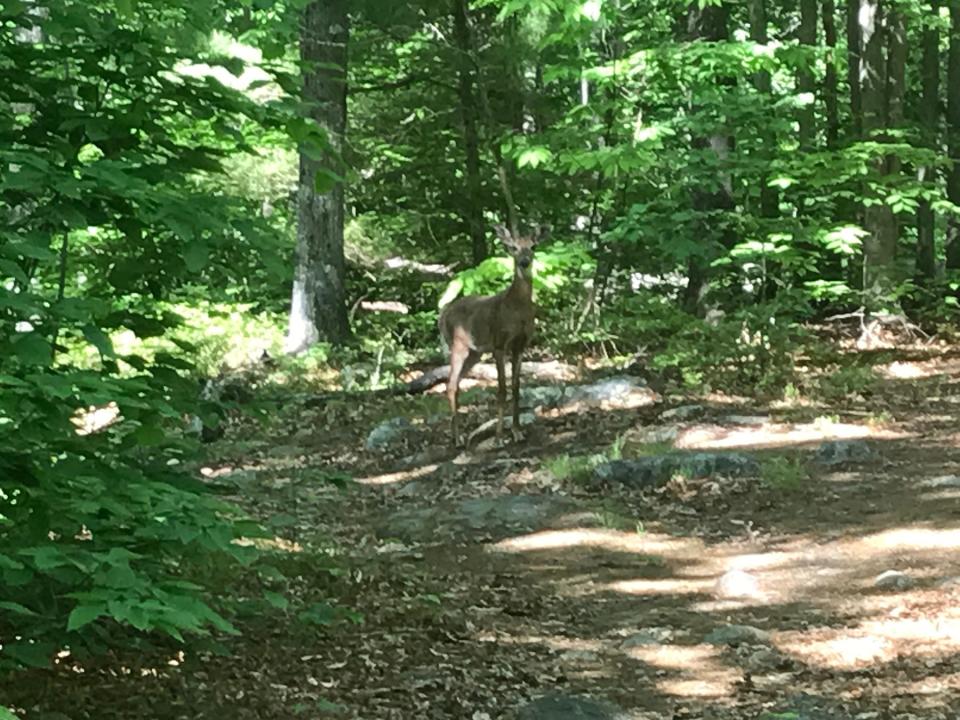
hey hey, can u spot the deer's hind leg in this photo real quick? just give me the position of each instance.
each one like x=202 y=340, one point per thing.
x=462 y=358
x=515 y=359
x=501 y=391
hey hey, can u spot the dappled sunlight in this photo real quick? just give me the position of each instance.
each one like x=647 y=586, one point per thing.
x=661 y=587
x=95 y=418
x=612 y=540
x=401 y=476
x=702 y=672
x=770 y=434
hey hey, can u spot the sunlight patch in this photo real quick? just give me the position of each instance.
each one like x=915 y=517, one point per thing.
x=606 y=539
x=718 y=437
x=397 y=477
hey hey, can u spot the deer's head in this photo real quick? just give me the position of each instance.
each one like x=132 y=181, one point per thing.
x=521 y=246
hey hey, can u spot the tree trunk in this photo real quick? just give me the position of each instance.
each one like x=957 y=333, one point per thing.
x=805 y=83
x=830 y=96
x=769 y=197
x=953 y=137
x=929 y=112
x=709 y=23
x=854 y=42
x=469 y=112
x=318 y=308
x=880 y=245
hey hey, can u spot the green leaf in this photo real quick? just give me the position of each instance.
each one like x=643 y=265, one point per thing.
x=325 y=180
x=84 y=615
x=30 y=654
x=126 y=8
x=5 y=714
x=33 y=349
x=276 y=599
x=149 y=435
x=100 y=340
x=196 y=256
x=16 y=608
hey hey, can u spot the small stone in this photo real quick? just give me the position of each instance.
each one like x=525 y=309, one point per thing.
x=943 y=481
x=580 y=657
x=841 y=452
x=387 y=433
x=764 y=660
x=893 y=580
x=738 y=584
x=738 y=635
x=647 y=636
x=621 y=392
x=684 y=412
x=751 y=420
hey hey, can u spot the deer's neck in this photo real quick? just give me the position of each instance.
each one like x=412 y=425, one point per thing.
x=521 y=289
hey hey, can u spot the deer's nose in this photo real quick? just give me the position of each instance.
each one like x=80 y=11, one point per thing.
x=525 y=263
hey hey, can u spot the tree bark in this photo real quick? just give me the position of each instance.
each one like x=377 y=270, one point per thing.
x=709 y=23
x=953 y=135
x=926 y=262
x=880 y=244
x=318 y=308
x=469 y=112
x=854 y=49
x=805 y=83
x=830 y=95
x=769 y=196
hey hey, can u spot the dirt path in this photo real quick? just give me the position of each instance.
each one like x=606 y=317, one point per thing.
x=484 y=581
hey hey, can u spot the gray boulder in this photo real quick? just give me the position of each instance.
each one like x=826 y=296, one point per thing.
x=843 y=452
x=388 y=433
x=657 y=470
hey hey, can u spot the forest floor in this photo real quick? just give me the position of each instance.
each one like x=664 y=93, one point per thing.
x=488 y=579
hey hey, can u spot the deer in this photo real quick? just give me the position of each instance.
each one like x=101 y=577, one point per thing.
x=501 y=324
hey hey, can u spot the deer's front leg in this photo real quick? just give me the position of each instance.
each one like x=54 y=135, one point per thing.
x=501 y=391
x=515 y=381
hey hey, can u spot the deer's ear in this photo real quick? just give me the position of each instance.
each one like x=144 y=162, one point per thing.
x=503 y=232
x=539 y=233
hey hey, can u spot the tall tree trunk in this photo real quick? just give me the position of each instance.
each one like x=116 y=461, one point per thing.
x=769 y=197
x=854 y=50
x=805 y=82
x=469 y=112
x=929 y=113
x=709 y=23
x=318 y=308
x=953 y=137
x=830 y=97
x=880 y=245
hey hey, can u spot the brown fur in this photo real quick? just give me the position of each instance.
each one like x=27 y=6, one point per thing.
x=500 y=324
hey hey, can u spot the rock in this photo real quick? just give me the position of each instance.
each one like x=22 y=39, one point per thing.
x=620 y=392
x=657 y=470
x=549 y=396
x=751 y=420
x=738 y=584
x=841 y=452
x=809 y=707
x=765 y=660
x=558 y=706
x=684 y=412
x=950 y=583
x=499 y=516
x=941 y=482
x=738 y=635
x=647 y=636
x=388 y=433
x=657 y=435
x=893 y=580
x=580 y=657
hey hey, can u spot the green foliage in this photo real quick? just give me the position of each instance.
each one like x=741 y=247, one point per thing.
x=784 y=474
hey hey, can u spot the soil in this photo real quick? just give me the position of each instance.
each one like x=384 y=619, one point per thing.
x=622 y=595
